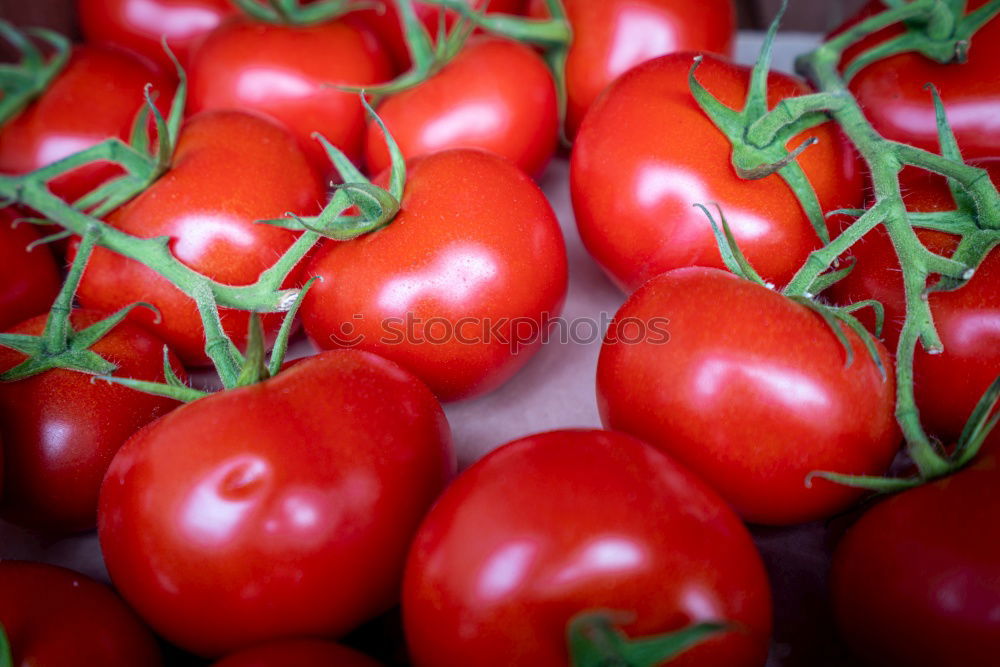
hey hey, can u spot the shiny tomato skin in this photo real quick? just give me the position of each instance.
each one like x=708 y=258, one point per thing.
x=279 y=510
x=60 y=429
x=892 y=94
x=475 y=247
x=496 y=94
x=95 y=97
x=916 y=581
x=383 y=21
x=284 y=71
x=947 y=385
x=55 y=617
x=568 y=521
x=612 y=36
x=751 y=392
x=29 y=280
x=297 y=653
x=230 y=169
x=647 y=153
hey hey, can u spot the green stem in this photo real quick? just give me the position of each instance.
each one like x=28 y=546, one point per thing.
x=788 y=111
x=57 y=326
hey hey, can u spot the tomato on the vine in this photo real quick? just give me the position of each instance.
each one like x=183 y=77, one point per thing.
x=895 y=100
x=750 y=390
x=297 y=653
x=60 y=429
x=948 y=385
x=29 y=280
x=916 y=581
x=230 y=170
x=565 y=522
x=283 y=509
x=95 y=97
x=647 y=153
x=287 y=72
x=612 y=36
x=458 y=287
x=141 y=25
x=58 y=618
x=496 y=94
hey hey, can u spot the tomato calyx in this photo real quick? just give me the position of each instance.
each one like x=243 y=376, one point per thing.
x=294 y=12
x=6 y=658
x=942 y=33
x=594 y=640
x=59 y=345
x=23 y=82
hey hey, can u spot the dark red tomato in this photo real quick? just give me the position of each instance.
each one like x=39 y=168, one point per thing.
x=60 y=429
x=612 y=36
x=750 y=391
x=384 y=22
x=96 y=97
x=140 y=25
x=947 y=385
x=55 y=617
x=893 y=96
x=916 y=581
x=457 y=288
x=297 y=653
x=284 y=71
x=230 y=169
x=647 y=153
x=279 y=510
x=497 y=95
x=564 y=522
x=29 y=280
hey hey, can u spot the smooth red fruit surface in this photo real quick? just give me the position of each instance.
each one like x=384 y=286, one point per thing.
x=947 y=385
x=60 y=429
x=751 y=391
x=55 y=617
x=457 y=288
x=916 y=581
x=29 y=279
x=560 y=523
x=230 y=169
x=279 y=510
x=384 y=22
x=612 y=36
x=496 y=94
x=141 y=25
x=95 y=97
x=286 y=72
x=297 y=653
x=892 y=93
x=647 y=153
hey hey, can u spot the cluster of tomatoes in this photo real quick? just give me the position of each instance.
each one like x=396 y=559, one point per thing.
x=256 y=525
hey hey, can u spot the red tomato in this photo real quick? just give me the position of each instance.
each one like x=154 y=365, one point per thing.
x=564 y=522
x=892 y=92
x=947 y=385
x=140 y=25
x=278 y=510
x=96 y=97
x=29 y=280
x=647 y=153
x=283 y=71
x=384 y=22
x=612 y=36
x=750 y=391
x=297 y=653
x=456 y=285
x=230 y=169
x=60 y=429
x=59 y=618
x=497 y=95
x=916 y=581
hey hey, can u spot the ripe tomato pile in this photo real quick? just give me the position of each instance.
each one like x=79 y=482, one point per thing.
x=288 y=289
